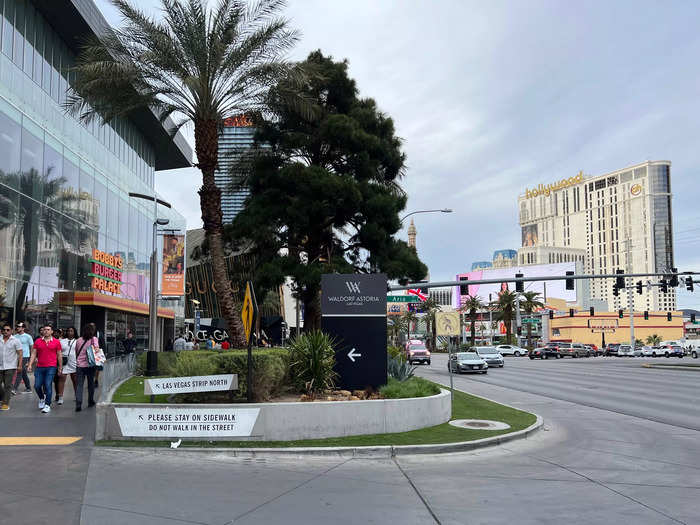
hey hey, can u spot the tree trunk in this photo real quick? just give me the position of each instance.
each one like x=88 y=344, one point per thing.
x=312 y=310
x=206 y=134
x=473 y=329
x=529 y=335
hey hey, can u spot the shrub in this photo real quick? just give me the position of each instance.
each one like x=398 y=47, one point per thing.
x=269 y=370
x=311 y=362
x=399 y=369
x=190 y=364
x=166 y=362
x=413 y=387
x=395 y=351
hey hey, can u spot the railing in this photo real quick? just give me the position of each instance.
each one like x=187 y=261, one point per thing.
x=116 y=369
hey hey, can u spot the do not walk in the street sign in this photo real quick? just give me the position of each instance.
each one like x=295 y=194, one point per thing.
x=249 y=311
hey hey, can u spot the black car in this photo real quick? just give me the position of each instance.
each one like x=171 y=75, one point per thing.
x=612 y=348
x=552 y=350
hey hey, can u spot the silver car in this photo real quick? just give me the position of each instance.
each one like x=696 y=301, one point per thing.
x=470 y=362
x=490 y=354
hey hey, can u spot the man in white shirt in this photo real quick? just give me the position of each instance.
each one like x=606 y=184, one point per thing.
x=10 y=361
x=179 y=343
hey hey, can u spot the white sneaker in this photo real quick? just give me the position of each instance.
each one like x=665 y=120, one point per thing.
x=60 y=400
x=46 y=409
x=42 y=404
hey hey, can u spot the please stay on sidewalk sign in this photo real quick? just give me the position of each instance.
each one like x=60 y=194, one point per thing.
x=183 y=385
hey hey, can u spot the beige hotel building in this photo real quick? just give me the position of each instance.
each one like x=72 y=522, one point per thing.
x=620 y=219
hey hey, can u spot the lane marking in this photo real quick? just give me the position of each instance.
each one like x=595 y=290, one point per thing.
x=38 y=440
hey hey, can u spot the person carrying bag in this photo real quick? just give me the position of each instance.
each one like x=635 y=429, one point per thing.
x=87 y=354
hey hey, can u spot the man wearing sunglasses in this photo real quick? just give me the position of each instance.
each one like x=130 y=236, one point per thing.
x=26 y=341
x=10 y=360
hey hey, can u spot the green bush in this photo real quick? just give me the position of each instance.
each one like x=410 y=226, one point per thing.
x=269 y=370
x=166 y=362
x=413 y=387
x=395 y=352
x=312 y=362
x=190 y=364
x=397 y=368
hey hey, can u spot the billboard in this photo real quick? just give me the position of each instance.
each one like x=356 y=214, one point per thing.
x=529 y=234
x=173 y=279
x=555 y=289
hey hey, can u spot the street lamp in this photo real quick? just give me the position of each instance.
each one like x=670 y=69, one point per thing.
x=444 y=210
x=152 y=355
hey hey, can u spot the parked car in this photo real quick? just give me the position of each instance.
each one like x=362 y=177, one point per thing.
x=552 y=349
x=647 y=351
x=540 y=352
x=628 y=351
x=594 y=350
x=416 y=352
x=672 y=350
x=572 y=349
x=517 y=351
x=611 y=349
x=580 y=350
x=467 y=362
x=490 y=354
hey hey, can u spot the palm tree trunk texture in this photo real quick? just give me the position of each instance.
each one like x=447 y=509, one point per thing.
x=473 y=329
x=207 y=148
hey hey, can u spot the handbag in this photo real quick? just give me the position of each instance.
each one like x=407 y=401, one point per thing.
x=70 y=347
x=90 y=353
x=99 y=356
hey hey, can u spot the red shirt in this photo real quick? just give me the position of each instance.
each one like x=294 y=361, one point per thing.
x=46 y=352
x=225 y=345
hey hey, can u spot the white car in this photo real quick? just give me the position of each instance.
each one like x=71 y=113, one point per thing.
x=625 y=351
x=511 y=350
x=650 y=351
x=462 y=362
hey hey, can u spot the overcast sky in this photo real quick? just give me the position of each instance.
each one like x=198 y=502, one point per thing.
x=492 y=97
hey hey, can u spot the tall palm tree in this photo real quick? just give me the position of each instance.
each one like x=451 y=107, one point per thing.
x=505 y=307
x=395 y=325
x=198 y=65
x=654 y=340
x=529 y=303
x=473 y=306
x=409 y=318
x=431 y=307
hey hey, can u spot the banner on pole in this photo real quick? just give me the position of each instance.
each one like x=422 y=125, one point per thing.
x=173 y=279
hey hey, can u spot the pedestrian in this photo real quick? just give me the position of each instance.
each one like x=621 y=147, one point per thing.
x=129 y=343
x=58 y=334
x=84 y=369
x=10 y=361
x=225 y=345
x=68 y=351
x=46 y=352
x=179 y=344
x=103 y=346
x=26 y=341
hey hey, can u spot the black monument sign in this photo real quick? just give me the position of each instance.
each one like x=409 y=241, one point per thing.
x=353 y=310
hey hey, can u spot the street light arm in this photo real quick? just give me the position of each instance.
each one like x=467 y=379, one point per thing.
x=150 y=198
x=444 y=210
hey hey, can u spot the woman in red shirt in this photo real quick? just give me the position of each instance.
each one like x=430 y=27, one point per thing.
x=47 y=353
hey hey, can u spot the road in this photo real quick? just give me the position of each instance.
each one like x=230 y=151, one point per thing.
x=601 y=459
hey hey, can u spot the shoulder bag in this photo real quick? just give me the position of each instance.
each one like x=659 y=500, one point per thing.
x=71 y=344
x=90 y=353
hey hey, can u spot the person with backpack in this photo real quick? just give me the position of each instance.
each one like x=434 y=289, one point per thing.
x=85 y=347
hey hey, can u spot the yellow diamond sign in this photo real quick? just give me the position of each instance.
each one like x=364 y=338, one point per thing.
x=249 y=310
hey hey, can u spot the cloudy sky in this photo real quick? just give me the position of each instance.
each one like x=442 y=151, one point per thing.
x=492 y=97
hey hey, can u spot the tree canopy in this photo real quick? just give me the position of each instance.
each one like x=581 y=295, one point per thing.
x=324 y=188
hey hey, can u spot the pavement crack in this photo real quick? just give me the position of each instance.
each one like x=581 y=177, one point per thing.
x=299 y=485
x=422 y=498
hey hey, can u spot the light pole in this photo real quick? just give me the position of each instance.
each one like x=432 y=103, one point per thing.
x=444 y=210
x=152 y=356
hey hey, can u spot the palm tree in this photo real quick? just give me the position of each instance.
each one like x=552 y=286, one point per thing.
x=529 y=303
x=199 y=66
x=395 y=325
x=431 y=307
x=408 y=318
x=505 y=306
x=473 y=306
x=654 y=340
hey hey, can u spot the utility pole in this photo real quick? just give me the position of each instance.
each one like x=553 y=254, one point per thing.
x=518 y=320
x=490 y=322
x=630 y=292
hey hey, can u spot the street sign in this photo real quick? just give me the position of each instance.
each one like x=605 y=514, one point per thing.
x=182 y=385
x=531 y=321
x=402 y=299
x=447 y=323
x=353 y=313
x=249 y=310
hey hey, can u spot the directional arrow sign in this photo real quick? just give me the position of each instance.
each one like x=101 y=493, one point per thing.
x=352 y=355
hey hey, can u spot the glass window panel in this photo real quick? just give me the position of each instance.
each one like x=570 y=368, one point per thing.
x=55 y=67
x=32 y=182
x=29 y=222
x=46 y=61
x=18 y=47
x=53 y=177
x=112 y=225
x=10 y=140
x=29 y=40
x=124 y=222
x=133 y=229
x=88 y=208
x=71 y=174
x=38 y=47
x=100 y=196
x=7 y=28
x=9 y=220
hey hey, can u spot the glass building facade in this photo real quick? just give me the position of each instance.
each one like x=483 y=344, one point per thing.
x=64 y=185
x=235 y=139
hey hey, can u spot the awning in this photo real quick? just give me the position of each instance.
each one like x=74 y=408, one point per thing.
x=109 y=301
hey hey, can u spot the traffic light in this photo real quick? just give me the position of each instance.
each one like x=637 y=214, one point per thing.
x=571 y=312
x=519 y=285
x=689 y=283
x=639 y=287
x=620 y=313
x=551 y=314
x=674 y=278
x=664 y=285
x=646 y=315
x=668 y=316
x=569 y=282
x=616 y=292
x=620 y=281
x=692 y=318
x=592 y=311
x=464 y=288
x=519 y=330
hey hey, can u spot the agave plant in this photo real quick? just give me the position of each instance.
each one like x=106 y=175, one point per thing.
x=311 y=362
x=399 y=369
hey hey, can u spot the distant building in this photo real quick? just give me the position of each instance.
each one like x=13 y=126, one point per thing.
x=442 y=295
x=236 y=138
x=505 y=258
x=412 y=235
x=481 y=265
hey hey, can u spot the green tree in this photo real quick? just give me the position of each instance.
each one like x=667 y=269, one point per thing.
x=529 y=302
x=199 y=66
x=324 y=192
x=653 y=340
x=431 y=308
x=473 y=306
x=504 y=306
x=408 y=319
x=395 y=326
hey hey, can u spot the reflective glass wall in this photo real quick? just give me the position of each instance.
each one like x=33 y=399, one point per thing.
x=660 y=189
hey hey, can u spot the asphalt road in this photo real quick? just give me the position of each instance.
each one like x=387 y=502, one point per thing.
x=598 y=461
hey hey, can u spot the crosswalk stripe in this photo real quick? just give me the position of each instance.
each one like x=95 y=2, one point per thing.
x=38 y=440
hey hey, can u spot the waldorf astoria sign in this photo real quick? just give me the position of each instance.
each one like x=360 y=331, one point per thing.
x=353 y=312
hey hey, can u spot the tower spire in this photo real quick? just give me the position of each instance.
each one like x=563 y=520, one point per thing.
x=412 y=235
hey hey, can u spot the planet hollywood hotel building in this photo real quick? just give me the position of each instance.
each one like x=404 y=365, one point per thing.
x=74 y=248
x=620 y=219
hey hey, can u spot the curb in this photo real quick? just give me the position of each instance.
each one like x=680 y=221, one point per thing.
x=378 y=452
x=671 y=367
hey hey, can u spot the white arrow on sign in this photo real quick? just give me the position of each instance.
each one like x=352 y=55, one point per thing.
x=352 y=355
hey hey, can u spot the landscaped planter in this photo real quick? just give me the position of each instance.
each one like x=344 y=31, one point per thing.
x=269 y=421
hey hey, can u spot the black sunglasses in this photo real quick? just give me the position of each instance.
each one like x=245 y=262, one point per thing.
x=7 y=329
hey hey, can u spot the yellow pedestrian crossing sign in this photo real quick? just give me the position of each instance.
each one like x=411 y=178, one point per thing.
x=249 y=311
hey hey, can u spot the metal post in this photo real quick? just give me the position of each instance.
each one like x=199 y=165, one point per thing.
x=630 y=294
x=449 y=360
x=518 y=320
x=490 y=322
x=152 y=368
x=298 y=317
